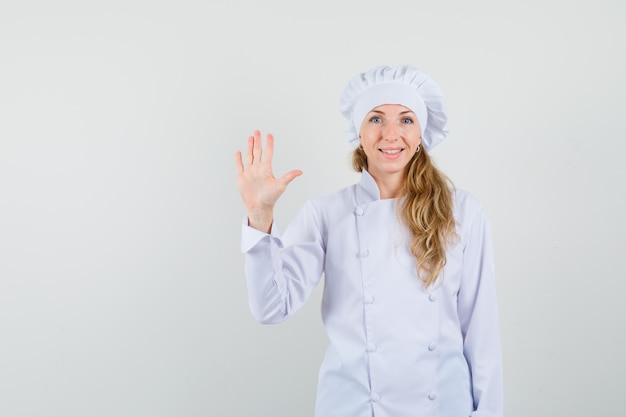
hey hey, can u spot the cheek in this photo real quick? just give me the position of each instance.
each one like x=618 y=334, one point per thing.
x=415 y=137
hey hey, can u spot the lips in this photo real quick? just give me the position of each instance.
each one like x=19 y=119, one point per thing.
x=391 y=153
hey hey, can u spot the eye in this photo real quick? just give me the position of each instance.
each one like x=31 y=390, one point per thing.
x=407 y=120
x=375 y=119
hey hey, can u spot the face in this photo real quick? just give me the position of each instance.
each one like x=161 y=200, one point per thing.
x=390 y=136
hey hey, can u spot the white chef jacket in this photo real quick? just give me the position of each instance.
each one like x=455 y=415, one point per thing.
x=396 y=349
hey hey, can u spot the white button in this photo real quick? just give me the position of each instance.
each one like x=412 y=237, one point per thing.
x=371 y=347
x=432 y=346
x=375 y=397
x=432 y=297
x=364 y=254
x=359 y=211
x=432 y=396
x=369 y=299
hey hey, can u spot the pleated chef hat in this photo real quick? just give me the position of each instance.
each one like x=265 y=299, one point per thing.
x=403 y=85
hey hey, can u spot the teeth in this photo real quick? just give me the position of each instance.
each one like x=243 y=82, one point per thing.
x=391 y=151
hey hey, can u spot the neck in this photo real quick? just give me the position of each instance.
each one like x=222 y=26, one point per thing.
x=390 y=185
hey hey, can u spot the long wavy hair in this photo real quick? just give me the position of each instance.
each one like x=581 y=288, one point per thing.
x=426 y=208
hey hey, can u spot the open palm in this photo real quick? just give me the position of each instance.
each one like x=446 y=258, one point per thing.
x=258 y=187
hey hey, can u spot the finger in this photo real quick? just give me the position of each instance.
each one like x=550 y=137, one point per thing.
x=288 y=177
x=257 y=149
x=269 y=149
x=239 y=163
x=249 y=156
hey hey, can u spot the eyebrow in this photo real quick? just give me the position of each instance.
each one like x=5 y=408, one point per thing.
x=382 y=112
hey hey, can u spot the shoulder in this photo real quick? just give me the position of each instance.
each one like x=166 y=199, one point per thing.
x=343 y=197
x=316 y=217
x=330 y=208
x=464 y=200
x=467 y=208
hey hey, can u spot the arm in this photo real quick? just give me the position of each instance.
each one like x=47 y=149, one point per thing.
x=478 y=314
x=279 y=278
x=282 y=273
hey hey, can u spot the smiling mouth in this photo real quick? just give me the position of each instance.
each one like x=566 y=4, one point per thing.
x=391 y=151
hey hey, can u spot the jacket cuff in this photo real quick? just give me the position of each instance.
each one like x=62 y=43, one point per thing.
x=250 y=236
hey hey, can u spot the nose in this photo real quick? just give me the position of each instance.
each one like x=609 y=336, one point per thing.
x=391 y=131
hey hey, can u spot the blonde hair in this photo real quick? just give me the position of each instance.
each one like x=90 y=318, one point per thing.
x=426 y=209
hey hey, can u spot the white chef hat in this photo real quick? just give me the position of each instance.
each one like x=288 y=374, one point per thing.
x=403 y=85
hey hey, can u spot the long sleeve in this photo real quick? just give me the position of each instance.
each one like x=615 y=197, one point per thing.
x=478 y=314
x=282 y=273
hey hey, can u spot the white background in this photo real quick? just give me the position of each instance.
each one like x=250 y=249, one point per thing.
x=121 y=282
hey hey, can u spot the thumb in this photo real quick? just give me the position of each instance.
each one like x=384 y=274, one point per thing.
x=288 y=177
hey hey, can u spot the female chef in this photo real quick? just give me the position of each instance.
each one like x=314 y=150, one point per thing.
x=409 y=300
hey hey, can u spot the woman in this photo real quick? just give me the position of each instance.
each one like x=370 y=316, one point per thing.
x=409 y=300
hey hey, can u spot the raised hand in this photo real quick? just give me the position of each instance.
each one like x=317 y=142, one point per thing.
x=258 y=187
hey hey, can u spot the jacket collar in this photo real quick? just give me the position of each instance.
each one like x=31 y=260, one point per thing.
x=367 y=190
